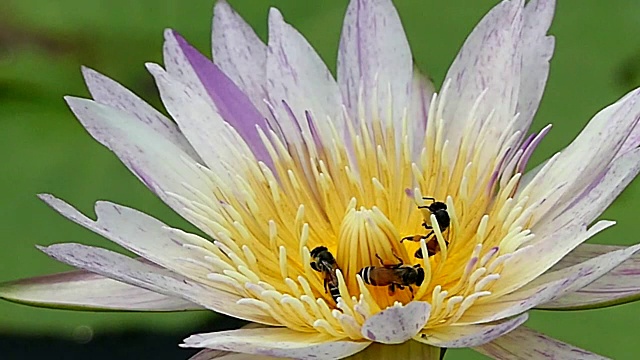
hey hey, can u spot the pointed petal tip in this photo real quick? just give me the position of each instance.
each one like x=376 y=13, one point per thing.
x=275 y=15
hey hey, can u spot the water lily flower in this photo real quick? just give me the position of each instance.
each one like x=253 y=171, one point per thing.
x=270 y=156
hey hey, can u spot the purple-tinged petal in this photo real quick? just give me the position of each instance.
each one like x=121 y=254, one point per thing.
x=159 y=163
x=422 y=90
x=536 y=54
x=125 y=269
x=240 y=54
x=108 y=92
x=524 y=344
x=585 y=159
x=397 y=324
x=529 y=147
x=201 y=123
x=298 y=82
x=186 y=64
x=82 y=290
x=374 y=56
x=632 y=142
x=464 y=336
x=548 y=287
x=277 y=342
x=621 y=285
x=489 y=63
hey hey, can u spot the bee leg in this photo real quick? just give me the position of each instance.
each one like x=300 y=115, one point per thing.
x=418 y=254
x=392 y=289
x=380 y=259
x=410 y=238
x=411 y=291
x=326 y=286
x=400 y=263
x=426 y=226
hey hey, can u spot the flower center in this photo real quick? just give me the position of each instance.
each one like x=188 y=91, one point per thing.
x=357 y=200
x=366 y=238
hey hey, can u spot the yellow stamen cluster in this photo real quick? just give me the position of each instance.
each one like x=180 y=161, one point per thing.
x=352 y=198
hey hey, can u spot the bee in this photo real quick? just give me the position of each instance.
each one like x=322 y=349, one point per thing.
x=395 y=276
x=439 y=209
x=324 y=262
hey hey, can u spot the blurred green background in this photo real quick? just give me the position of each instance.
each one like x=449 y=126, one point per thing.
x=43 y=43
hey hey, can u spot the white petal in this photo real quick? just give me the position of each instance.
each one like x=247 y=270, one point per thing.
x=186 y=64
x=297 y=75
x=520 y=269
x=536 y=53
x=240 y=54
x=374 y=56
x=463 y=336
x=277 y=342
x=108 y=92
x=586 y=158
x=397 y=324
x=160 y=164
x=134 y=230
x=548 y=287
x=601 y=193
x=618 y=286
x=490 y=61
x=524 y=344
x=125 y=269
x=82 y=290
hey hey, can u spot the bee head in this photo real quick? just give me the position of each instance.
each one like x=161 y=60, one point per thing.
x=317 y=250
x=437 y=206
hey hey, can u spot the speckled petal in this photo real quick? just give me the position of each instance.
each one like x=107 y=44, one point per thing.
x=134 y=230
x=548 y=287
x=122 y=268
x=240 y=54
x=582 y=162
x=536 y=53
x=374 y=55
x=298 y=82
x=587 y=206
x=82 y=290
x=397 y=324
x=464 y=336
x=619 y=286
x=160 y=164
x=277 y=342
x=526 y=344
x=519 y=270
x=109 y=92
x=490 y=61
